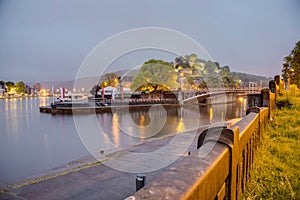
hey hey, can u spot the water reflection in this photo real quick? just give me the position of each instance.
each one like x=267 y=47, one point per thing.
x=32 y=142
x=115 y=130
x=180 y=126
x=210 y=114
x=146 y=122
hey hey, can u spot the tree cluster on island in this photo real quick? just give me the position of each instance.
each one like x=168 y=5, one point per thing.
x=189 y=72
x=185 y=72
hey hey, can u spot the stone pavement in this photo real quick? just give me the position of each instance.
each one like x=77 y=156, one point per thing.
x=95 y=180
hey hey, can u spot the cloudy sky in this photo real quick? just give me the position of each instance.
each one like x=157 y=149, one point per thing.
x=48 y=40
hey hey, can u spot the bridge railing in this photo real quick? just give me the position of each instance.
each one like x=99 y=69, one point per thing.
x=224 y=171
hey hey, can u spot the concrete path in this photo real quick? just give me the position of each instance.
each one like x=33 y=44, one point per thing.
x=95 y=180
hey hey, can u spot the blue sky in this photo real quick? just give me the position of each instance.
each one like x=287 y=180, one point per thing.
x=48 y=40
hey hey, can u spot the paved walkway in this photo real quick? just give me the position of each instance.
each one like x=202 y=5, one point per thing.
x=95 y=180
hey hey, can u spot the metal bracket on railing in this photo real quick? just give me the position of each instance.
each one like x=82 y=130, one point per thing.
x=218 y=134
x=254 y=109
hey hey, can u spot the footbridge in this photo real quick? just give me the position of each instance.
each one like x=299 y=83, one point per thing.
x=217 y=96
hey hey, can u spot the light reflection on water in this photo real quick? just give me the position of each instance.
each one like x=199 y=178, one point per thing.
x=32 y=142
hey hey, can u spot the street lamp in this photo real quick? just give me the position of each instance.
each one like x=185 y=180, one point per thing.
x=178 y=69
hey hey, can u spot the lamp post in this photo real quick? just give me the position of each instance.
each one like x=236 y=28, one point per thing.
x=178 y=69
x=120 y=87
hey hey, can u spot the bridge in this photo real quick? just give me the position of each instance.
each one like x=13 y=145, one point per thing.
x=217 y=96
x=221 y=95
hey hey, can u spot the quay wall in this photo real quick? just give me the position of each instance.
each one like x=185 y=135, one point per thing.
x=102 y=109
x=144 y=105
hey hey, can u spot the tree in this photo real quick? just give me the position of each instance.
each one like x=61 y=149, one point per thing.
x=210 y=67
x=95 y=89
x=110 y=79
x=155 y=75
x=20 y=87
x=202 y=70
x=291 y=65
x=227 y=77
x=10 y=85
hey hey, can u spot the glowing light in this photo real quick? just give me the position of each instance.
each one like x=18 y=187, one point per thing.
x=210 y=114
x=180 y=126
x=142 y=120
x=116 y=130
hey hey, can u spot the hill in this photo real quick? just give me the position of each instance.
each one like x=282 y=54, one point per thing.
x=246 y=78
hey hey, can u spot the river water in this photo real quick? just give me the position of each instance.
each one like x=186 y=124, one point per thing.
x=32 y=142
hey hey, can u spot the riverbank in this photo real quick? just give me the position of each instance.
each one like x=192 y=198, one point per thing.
x=276 y=166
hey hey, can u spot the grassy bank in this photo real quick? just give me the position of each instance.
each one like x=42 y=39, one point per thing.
x=276 y=170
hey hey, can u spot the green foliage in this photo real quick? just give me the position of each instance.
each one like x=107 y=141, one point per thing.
x=110 y=79
x=20 y=87
x=155 y=75
x=210 y=68
x=291 y=66
x=10 y=85
x=276 y=167
x=283 y=102
x=208 y=73
x=286 y=99
x=159 y=75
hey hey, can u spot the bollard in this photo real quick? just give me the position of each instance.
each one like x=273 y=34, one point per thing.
x=140 y=181
x=53 y=109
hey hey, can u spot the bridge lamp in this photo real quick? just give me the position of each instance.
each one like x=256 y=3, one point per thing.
x=243 y=105
x=178 y=70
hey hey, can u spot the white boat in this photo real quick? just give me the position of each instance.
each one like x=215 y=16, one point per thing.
x=70 y=100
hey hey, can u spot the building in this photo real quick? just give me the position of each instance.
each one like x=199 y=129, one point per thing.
x=37 y=87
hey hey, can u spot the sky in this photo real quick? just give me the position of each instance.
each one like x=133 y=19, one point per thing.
x=48 y=40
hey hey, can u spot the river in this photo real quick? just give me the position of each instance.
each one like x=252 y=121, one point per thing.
x=32 y=142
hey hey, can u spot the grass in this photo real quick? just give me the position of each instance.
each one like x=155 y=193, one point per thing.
x=276 y=169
